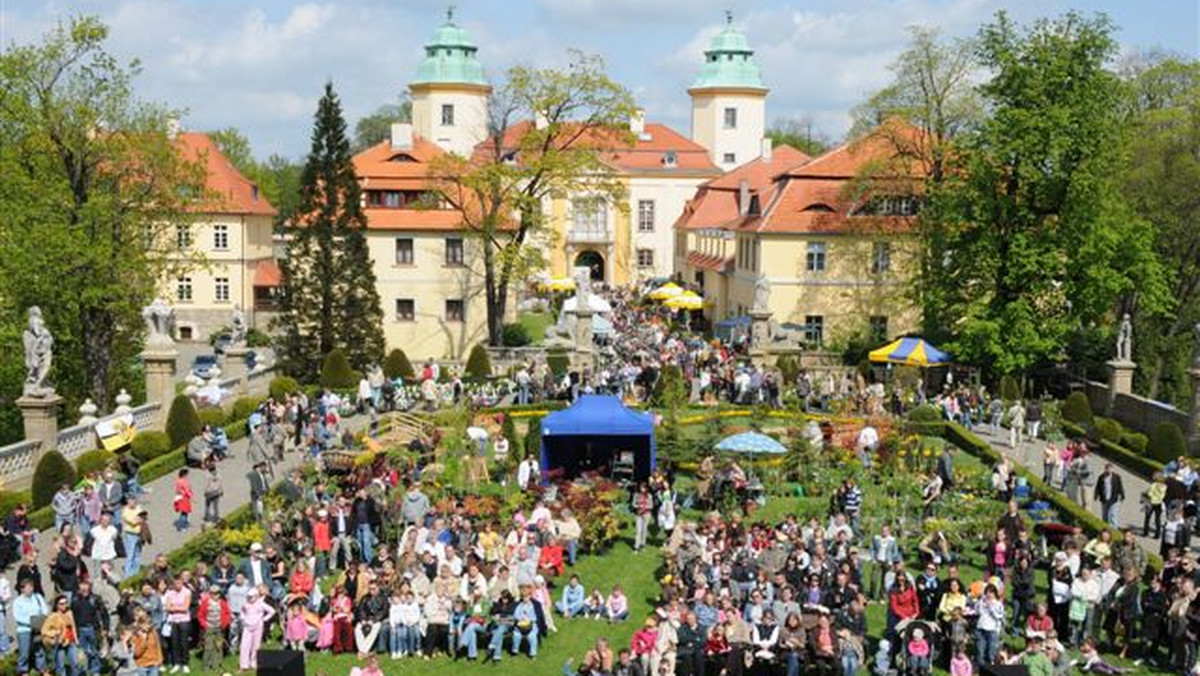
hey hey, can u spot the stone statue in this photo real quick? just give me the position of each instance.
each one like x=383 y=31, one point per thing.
x=39 y=353
x=762 y=294
x=1125 y=339
x=160 y=323
x=237 y=337
x=583 y=288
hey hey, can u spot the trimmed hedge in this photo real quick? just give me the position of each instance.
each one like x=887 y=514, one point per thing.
x=283 y=386
x=149 y=445
x=515 y=335
x=396 y=365
x=479 y=365
x=243 y=407
x=183 y=422
x=212 y=416
x=1167 y=442
x=1137 y=463
x=94 y=461
x=1107 y=429
x=558 y=361
x=1135 y=441
x=532 y=446
x=52 y=471
x=925 y=413
x=336 y=373
x=1076 y=409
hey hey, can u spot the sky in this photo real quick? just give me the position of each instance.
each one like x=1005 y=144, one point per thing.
x=260 y=65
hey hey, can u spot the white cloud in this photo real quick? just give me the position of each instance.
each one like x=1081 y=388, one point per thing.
x=618 y=12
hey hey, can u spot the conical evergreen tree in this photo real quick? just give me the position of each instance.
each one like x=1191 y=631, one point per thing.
x=329 y=299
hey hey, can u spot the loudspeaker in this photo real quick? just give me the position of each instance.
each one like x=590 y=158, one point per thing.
x=280 y=663
x=1004 y=670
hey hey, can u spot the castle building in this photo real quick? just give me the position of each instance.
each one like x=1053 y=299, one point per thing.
x=729 y=100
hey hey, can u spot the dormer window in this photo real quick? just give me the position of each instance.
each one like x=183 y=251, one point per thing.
x=402 y=157
x=669 y=159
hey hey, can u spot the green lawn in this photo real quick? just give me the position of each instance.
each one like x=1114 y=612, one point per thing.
x=535 y=324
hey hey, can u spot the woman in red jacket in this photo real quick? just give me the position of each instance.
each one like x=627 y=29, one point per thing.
x=550 y=563
x=342 y=608
x=322 y=541
x=903 y=603
x=214 y=617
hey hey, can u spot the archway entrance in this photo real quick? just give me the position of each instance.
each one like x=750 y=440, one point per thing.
x=593 y=260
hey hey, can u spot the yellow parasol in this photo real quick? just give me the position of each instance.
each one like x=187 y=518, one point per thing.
x=687 y=300
x=668 y=290
x=559 y=284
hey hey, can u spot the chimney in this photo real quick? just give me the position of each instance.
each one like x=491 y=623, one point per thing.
x=743 y=197
x=172 y=127
x=540 y=121
x=637 y=122
x=402 y=136
x=765 y=153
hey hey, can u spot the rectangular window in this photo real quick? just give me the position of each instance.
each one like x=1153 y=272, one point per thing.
x=220 y=237
x=588 y=215
x=645 y=258
x=404 y=251
x=881 y=258
x=454 y=251
x=447 y=114
x=645 y=215
x=816 y=257
x=406 y=310
x=455 y=311
x=729 y=158
x=814 y=329
x=183 y=236
x=183 y=289
x=731 y=118
x=878 y=329
x=221 y=289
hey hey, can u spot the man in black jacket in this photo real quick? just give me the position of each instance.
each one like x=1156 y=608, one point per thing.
x=365 y=515
x=690 y=650
x=91 y=623
x=371 y=614
x=260 y=485
x=1109 y=493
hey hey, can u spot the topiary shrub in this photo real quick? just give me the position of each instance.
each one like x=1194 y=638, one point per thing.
x=94 y=461
x=508 y=430
x=479 y=365
x=558 y=361
x=1010 y=389
x=1076 y=409
x=926 y=413
x=213 y=416
x=1106 y=429
x=1167 y=442
x=183 y=422
x=53 y=470
x=515 y=335
x=336 y=373
x=243 y=407
x=283 y=386
x=532 y=448
x=150 y=445
x=1135 y=441
x=396 y=365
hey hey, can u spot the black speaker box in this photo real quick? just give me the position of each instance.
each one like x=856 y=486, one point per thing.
x=280 y=663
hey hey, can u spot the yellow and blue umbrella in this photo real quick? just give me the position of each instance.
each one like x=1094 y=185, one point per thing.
x=687 y=300
x=911 y=352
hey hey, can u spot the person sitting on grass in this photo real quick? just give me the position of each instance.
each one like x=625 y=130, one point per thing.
x=594 y=606
x=573 y=598
x=616 y=607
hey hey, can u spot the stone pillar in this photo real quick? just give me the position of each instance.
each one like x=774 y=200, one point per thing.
x=1120 y=381
x=584 y=347
x=760 y=333
x=40 y=415
x=160 y=371
x=1193 y=430
x=236 y=367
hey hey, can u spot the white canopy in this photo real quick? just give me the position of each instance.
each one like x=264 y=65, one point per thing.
x=596 y=303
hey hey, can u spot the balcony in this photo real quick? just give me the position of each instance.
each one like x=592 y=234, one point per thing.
x=589 y=236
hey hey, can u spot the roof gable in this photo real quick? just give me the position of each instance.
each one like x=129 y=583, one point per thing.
x=232 y=193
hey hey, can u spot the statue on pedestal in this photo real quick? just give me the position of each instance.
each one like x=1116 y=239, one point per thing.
x=160 y=323
x=583 y=288
x=39 y=353
x=1125 y=339
x=237 y=337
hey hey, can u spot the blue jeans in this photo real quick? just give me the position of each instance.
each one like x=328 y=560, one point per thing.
x=27 y=648
x=147 y=671
x=470 y=639
x=5 y=644
x=523 y=395
x=986 y=644
x=59 y=521
x=88 y=644
x=531 y=636
x=65 y=660
x=569 y=611
x=366 y=543
x=133 y=552
x=793 y=663
x=497 y=643
x=850 y=664
x=572 y=545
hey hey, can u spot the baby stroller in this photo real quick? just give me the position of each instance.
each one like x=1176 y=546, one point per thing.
x=910 y=633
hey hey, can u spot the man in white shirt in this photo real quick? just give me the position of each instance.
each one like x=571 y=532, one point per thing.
x=104 y=545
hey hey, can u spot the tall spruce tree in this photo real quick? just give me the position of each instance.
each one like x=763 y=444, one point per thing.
x=330 y=299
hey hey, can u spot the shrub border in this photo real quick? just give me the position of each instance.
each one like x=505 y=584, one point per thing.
x=1126 y=458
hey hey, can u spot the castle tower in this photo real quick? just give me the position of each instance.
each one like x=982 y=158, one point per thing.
x=729 y=100
x=450 y=94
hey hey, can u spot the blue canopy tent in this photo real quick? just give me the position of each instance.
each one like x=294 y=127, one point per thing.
x=594 y=435
x=727 y=328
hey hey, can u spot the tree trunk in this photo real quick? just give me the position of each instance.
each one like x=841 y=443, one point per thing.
x=495 y=307
x=98 y=329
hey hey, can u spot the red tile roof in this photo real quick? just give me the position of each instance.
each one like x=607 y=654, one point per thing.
x=232 y=192
x=267 y=273
x=625 y=152
x=716 y=202
x=382 y=167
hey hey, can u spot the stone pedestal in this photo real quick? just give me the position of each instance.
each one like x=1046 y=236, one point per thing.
x=1120 y=381
x=159 y=367
x=1193 y=430
x=760 y=333
x=40 y=415
x=236 y=367
x=584 y=347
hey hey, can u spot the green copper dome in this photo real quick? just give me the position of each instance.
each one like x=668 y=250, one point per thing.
x=729 y=62
x=450 y=57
